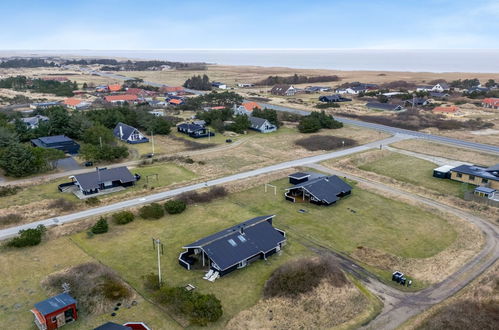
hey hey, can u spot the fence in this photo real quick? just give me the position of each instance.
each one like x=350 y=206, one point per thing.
x=470 y=196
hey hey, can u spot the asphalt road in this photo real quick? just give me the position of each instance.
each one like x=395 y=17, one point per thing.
x=12 y=231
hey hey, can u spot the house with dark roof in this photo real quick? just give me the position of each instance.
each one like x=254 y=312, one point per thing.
x=283 y=90
x=261 y=125
x=440 y=87
x=417 y=101
x=101 y=179
x=59 y=142
x=334 y=98
x=44 y=105
x=194 y=130
x=439 y=95
x=384 y=106
x=316 y=188
x=477 y=175
x=33 y=122
x=129 y=134
x=55 y=312
x=234 y=247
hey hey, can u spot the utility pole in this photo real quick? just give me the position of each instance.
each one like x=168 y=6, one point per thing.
x=157 y=245
x=100 y=141
x=209 y=135
x=152 y=140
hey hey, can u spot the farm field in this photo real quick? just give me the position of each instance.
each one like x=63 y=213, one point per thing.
x=362 y=219
x=412 y=170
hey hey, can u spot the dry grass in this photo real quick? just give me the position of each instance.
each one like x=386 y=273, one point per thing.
x=96 y=287
x=325 y=306
x=475 y=307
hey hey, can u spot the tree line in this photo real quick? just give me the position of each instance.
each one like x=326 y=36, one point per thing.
x=295 y=79
x=26 y=63
x=201 y=83
x=22 y=83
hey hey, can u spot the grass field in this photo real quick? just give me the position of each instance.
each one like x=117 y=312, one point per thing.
x=413 y=170
x=363 y=219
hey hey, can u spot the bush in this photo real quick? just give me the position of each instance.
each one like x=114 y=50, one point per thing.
x=124 y=217
x=62 y=204
x=10 y=219
x=302 y=276
x=193 y=197
x=151 y=211
x=100 y=226
x=175 y=206
x=327 y=105
x=309 y=125
x=151 y=282
x=92 y=201
x=114 y=289
x=320 y=142
x=200 y=308
x=28 y=237
x=8 y=190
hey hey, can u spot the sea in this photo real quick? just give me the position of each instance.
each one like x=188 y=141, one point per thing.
x=456 y=60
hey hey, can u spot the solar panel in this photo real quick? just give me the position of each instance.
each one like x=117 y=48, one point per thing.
x=241 y=238
x=232 y=242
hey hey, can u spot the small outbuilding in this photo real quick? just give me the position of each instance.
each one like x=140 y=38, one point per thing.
x=443 y=172
x=316 y=188
x=485 y=192
x=55 y=312
x=235 y=247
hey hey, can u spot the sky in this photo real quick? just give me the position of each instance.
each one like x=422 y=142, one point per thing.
x=254 y=24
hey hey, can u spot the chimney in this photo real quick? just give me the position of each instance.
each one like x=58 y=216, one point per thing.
x=241 y=230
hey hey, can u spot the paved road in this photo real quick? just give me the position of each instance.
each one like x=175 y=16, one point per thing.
x=400 y=306
x=394 y=130
x=9 y=232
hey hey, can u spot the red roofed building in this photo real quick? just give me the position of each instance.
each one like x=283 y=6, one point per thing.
x=121 y=98
x=176 y=101
x=76 y=104
x=171 y=90
x=139 y=92
x=246 y=108
x=449 y=109
x=491 y=102
x=114 y=88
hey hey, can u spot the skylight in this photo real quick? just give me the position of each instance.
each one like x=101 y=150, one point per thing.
x=241 y=238
x=232 y=242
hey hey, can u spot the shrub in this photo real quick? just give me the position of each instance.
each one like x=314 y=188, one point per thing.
x=309 y=125
x=320 y=142
x=151 y=211
x=151 y=282
x=327 y=105
x=28 y=237
x=124 y=217
x=62 y=204
x=193 y=197
x=8 y=190
x=10 y=219
x=200 y=308
x=92 y=201
x=302 y=276
x=175 y=206
x=114 y=289
x=100 y=226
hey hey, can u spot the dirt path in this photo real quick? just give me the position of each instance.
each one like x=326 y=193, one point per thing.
x=400 y=306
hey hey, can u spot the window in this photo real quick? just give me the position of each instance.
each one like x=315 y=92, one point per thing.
x=241 y=238
x=485 y=181
x=472 y=177
x=459 y=175
x=232 y=242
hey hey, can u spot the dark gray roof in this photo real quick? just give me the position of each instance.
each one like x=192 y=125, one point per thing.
x=478 y=171
x=444 y=85
x=438 y=94
x=494 y=168
x=256 y=121
x=229 y=247
x=485 y=190
x=384 y=106
x=127 y=131
x=280 y=89
x=55 y=303
x=90 y=180
x=112 y=326
x=299 y=175
x=190 y=127
x=325 y=188
x=54 y=139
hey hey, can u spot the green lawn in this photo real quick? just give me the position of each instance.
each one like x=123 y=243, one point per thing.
x=413 y=170
x=168 y=174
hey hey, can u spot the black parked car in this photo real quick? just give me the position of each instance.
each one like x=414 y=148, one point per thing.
x=89 y=163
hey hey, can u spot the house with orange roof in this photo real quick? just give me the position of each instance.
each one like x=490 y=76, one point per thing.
x=114 y=88
x=491 y=102
x=172 y=90
x=76 y=104
x=120 y=99
x=246 y=108
x=176 y=101
x=446 y=109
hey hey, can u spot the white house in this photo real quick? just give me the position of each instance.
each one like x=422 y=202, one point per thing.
x=440 y=87
x=33 y=122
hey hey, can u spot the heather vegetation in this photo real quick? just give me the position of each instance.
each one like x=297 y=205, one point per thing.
x=321 y=142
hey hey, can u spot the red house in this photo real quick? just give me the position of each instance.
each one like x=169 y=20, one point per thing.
x=55 y=312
